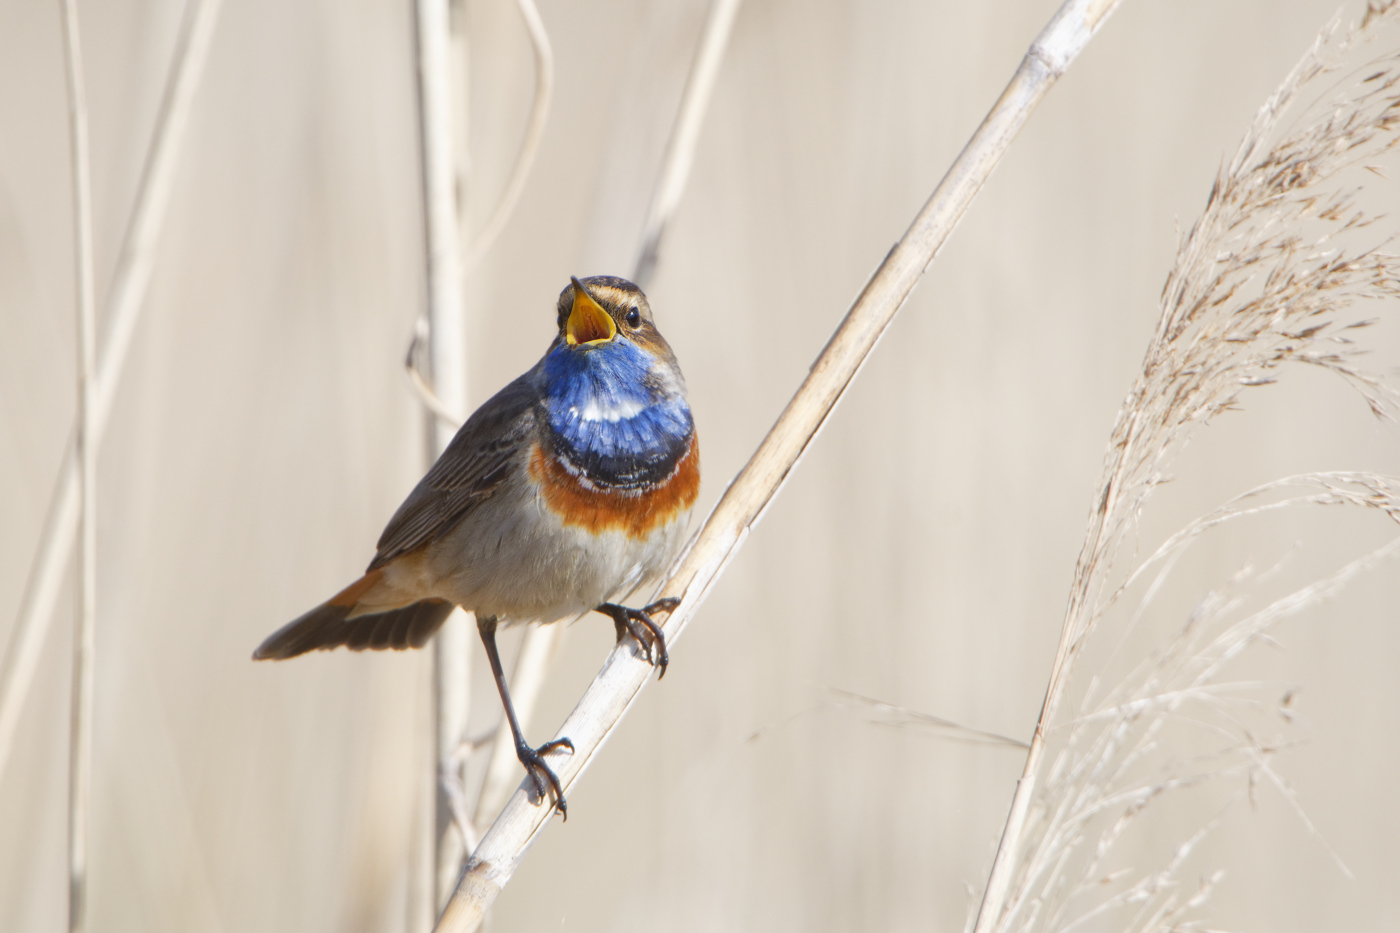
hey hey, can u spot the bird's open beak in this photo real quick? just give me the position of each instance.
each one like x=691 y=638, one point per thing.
x=588 y=322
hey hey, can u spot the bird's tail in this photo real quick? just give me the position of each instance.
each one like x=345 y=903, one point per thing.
x=329 y=626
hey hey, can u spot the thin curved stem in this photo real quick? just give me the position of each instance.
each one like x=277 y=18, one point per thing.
x=685 y=134
x=446 y=418
x=530 y=145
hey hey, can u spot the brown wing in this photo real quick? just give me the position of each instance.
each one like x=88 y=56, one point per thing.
x=471 y=468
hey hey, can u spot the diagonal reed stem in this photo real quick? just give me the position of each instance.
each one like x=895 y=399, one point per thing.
x=623 y=675
x=122 y=311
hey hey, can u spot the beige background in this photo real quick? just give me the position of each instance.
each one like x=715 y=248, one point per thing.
x=263 y=434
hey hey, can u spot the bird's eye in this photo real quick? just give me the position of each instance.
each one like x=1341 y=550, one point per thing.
x=634 y=317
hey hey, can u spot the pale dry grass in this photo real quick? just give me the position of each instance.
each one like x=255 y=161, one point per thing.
x=1270 y=275
x=1174 y=721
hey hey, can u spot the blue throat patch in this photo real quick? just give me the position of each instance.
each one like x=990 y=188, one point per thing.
x=610 y=419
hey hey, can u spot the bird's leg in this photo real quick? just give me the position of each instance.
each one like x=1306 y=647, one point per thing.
x=532 y=758
x=644 y=631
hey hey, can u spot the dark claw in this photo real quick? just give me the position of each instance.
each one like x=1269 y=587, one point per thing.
x=541 y=774
x=668 y=606
x=644 y=631
x=658 y=642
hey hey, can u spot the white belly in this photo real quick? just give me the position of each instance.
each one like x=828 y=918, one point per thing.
x=515 y=559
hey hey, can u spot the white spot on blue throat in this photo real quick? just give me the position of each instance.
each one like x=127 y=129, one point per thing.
x=616 y=416
x=596 y=409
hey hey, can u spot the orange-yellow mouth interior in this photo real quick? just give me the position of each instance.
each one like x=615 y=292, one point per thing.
x=588 y=322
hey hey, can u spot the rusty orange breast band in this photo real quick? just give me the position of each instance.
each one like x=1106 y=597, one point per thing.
x=635 y=512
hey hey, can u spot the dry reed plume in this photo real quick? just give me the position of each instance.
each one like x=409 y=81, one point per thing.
x=1267 y=276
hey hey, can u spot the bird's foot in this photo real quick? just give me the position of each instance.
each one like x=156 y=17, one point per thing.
x=644 y=631
x=543 y=776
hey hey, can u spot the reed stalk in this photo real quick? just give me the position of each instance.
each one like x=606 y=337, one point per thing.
x=1262 y=281
x=84 y=648
x=121 y=315
x=447 y=347
x=623 y=675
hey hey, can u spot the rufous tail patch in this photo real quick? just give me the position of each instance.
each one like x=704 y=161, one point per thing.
x=348 y=597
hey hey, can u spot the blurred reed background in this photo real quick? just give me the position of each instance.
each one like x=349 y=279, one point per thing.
x=263 y=433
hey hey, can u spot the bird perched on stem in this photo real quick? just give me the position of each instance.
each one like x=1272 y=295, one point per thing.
x=569 y=488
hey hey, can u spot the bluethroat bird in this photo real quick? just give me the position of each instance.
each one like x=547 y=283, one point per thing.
x=569 y=488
